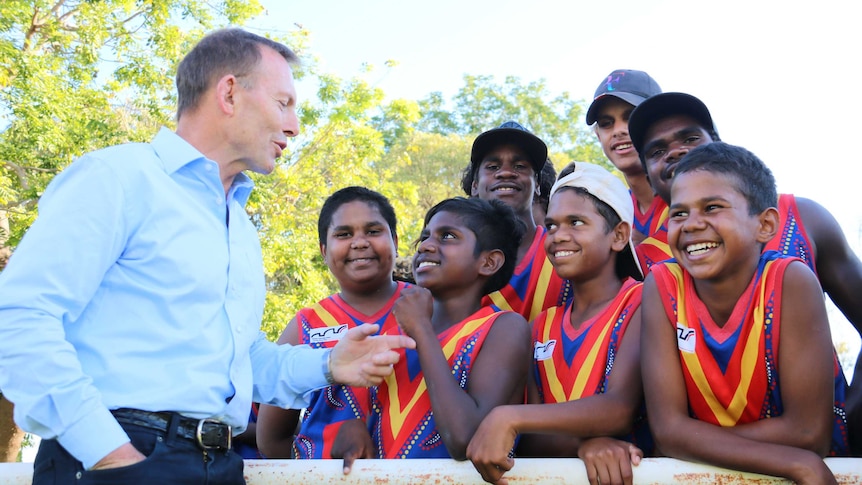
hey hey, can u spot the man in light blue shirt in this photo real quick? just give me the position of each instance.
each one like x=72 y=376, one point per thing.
x=130 y=312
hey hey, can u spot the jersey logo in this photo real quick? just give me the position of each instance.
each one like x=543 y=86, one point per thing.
x=544 y=350
x=685 y=338
x=328 y=334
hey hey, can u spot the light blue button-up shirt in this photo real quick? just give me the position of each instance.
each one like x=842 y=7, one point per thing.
x=141 y=285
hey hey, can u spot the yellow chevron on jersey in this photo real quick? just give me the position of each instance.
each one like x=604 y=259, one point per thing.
x=398 y=408
x=583 y=366
x=500 y=301
x=542 y=285
x=324 y=315
x=726 y=416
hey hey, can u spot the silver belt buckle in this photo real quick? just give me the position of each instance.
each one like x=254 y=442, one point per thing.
x=200 y=428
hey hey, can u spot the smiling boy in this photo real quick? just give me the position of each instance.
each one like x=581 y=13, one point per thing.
x=358 y=240
x=736 y=352
x=506 y=164
x=469 y=357
x=585 y=381
x=666 y=127
x=615 y=98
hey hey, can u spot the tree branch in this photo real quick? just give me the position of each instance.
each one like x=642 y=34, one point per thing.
x=56 y=7
x=21 y=172
x=12 y=207
x=32 y=30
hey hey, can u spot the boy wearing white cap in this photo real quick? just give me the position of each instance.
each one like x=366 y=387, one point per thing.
x=585 y=378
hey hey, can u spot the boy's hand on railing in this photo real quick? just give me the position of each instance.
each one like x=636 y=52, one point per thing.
x=609 y=461
x=351 y=442
x=491 y=446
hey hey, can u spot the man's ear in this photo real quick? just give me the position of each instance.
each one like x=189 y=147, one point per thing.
x=226 y=89
x=768 y=225
x=323 y=251
x=474 y=189
x=621 y=235
x=490 y=262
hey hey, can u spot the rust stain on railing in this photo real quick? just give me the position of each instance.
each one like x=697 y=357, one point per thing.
x=652 y=471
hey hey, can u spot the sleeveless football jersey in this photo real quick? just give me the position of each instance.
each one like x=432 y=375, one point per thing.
x=731 y=372
x=403 y=422
x=570 y=363
x=321 y=326
x=534 y=286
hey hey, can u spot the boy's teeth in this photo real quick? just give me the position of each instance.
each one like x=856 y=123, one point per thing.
x=700 y=248
x=560 y=254
x=427 y=263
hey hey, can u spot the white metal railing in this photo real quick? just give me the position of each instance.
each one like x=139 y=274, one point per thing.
x=653 y=471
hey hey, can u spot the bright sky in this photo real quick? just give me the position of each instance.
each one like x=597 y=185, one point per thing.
x=779 y=77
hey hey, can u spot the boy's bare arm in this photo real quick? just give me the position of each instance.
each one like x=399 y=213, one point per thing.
x=275 y=430
x=498 y=377
x=498 y=374
x=679 y=436
x=608 y=414
x=838 y=268
x=563 y=426
x=805 y=367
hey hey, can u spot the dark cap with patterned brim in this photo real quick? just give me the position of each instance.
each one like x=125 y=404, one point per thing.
x=662 y=106
x=510 y=132
x=629 y=85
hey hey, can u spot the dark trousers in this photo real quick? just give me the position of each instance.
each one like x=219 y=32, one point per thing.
x=171 y=459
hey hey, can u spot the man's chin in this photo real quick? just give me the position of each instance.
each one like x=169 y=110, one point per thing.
x=263 y=169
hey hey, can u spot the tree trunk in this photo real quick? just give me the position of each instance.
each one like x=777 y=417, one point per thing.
x=11 y=436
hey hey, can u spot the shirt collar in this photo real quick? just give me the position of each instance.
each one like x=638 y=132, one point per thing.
x=175 y=153
x=241 y=188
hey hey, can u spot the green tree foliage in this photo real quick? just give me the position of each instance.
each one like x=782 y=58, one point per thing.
x=483 y=103
x=433 y=162
x=338 y=148
x=77 y=75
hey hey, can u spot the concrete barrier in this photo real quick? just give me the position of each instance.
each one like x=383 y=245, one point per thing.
x=652 y=471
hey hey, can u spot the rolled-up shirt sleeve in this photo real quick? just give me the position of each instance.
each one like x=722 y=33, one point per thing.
x=286 y=375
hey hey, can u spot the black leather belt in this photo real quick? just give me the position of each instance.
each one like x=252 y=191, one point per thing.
x=209 y=434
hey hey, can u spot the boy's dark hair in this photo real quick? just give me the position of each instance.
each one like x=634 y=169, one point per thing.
x=352 y=194
x=546 y=182
x=566 y=170
x=753 y=178
x=496 y=227
x=225 y=51
x=467 y=177
x=611 y=218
